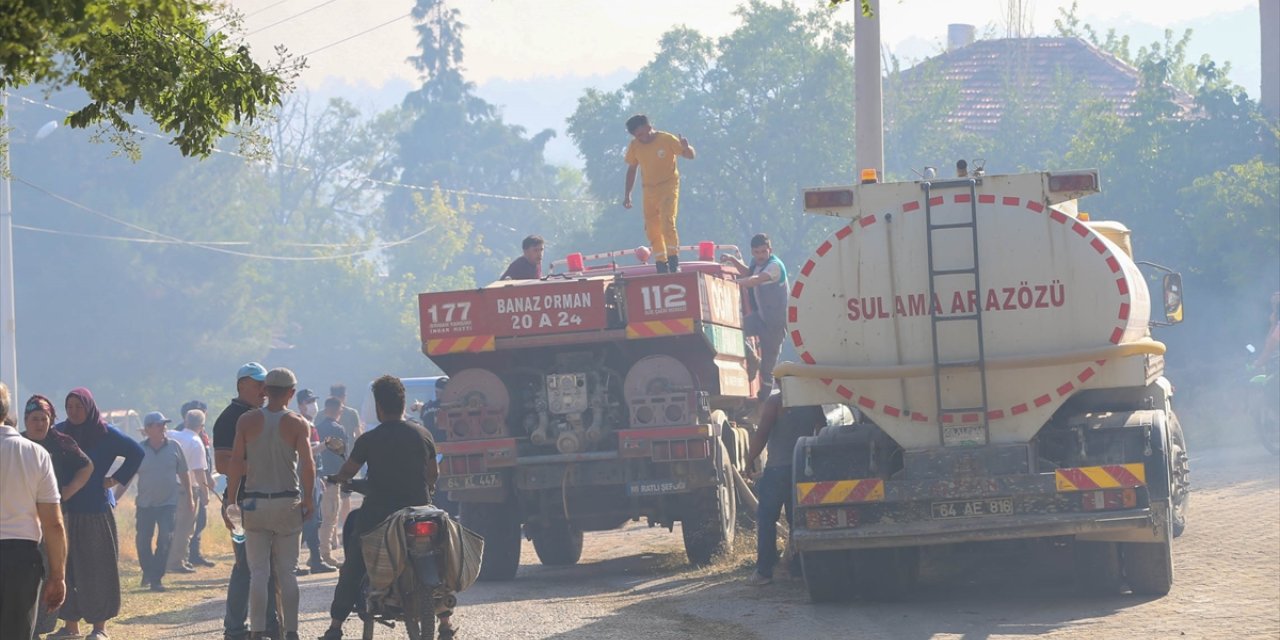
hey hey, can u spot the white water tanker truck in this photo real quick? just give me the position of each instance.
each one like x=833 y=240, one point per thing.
x=997 y=345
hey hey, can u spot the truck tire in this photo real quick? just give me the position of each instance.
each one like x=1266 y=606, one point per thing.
x=709 y=524
x=1179 y=476
x=886 y=574
x=1097 y=568
x=1148 y=566
x=557 y=543
x=828 y=575
x=499 y=524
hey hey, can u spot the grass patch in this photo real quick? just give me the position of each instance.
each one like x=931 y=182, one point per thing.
x=188 y=593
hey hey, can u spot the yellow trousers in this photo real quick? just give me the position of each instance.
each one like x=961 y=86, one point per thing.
x=661 y=205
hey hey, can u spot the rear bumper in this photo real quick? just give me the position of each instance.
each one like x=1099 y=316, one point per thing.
x=648 y=462
x=1110 y=502
x=1135 y=525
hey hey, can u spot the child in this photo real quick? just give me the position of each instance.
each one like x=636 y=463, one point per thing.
x=654 y=153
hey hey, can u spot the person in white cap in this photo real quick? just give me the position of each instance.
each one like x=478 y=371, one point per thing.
x=271 y=459
x=158 y=497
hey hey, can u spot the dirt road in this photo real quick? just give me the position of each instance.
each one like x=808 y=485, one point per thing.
x=633 y=583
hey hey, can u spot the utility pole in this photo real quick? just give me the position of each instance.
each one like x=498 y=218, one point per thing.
x=868 y=102
x=8 y=317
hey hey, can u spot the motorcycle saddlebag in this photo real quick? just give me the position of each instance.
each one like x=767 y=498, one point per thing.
x=462 y=555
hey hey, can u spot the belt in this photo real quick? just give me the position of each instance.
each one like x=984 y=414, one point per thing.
x=268 y=496
x=18 y=544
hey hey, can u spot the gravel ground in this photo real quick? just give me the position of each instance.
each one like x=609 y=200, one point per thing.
x=633 y=583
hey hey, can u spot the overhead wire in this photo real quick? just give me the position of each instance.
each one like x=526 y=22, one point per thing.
x=97 y=236
x=286 y=19
x=387 y=183
x=377 y=246
x=270 y=6
x=357 y=35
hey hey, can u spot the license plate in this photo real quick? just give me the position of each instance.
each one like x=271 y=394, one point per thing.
x=973 y=508
x=656 y=487
x=963 y=435
x=470 y=481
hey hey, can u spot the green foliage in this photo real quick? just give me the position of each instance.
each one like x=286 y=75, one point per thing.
x=153 y=324
x=1237 y=221
x=452 y=138
x=158 y=57
x=769 y=108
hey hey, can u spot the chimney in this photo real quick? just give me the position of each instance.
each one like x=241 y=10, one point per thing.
x=1269 y=12
x=961 y=35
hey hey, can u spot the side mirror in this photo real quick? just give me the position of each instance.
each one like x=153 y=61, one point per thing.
x=337 y=446
x=1173 y=298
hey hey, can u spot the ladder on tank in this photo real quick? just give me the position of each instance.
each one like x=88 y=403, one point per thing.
x=963 y=430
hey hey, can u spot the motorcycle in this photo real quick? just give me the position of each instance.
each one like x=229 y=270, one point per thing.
x=419 y=594
x=1264 y=404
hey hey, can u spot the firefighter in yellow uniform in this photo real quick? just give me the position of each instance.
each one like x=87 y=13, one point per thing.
x=654 y=154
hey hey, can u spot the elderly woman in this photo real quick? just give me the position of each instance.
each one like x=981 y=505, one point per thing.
x=71 y=466
x=93 y=547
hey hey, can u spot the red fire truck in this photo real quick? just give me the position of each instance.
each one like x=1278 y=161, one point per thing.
x=602 y=393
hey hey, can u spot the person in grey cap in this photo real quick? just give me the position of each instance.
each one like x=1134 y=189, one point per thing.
x=158 y=497
x=271 y=459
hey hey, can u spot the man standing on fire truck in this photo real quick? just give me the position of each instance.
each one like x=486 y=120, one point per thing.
x=653 y=154
x=766 y=285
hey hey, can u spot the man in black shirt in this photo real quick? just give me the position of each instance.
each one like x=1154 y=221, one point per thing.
x=251 y=392
x=402 y=470
x=529 y=265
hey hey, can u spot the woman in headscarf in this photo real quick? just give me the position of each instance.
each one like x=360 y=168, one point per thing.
x=93 y=547
x=71 y=466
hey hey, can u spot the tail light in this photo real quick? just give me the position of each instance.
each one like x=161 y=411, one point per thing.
x=681 y=449
x=423 y=529
x=1108 y=499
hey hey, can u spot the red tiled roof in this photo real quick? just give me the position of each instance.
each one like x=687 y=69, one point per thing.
x=987 y=70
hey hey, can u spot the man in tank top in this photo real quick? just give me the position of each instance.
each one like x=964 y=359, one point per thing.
x=272 y=458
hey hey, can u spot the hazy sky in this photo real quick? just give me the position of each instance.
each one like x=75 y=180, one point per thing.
x=521 y=39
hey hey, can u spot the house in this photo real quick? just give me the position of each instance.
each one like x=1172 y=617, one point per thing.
x=989 y=72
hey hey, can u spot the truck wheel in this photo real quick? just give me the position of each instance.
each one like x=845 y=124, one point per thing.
x=557 y=543
x=886 y=574
x=1180 y=476
x=708 y=525
x=499 y=524
x=1148 y=566
x=828 y=575
x=1097 y=567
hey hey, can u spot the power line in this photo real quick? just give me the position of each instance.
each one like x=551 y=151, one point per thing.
x=218 y=249
x=95 y=236
x=296 y=15
x=270 y=6
x=357 y=35
x=361 y=177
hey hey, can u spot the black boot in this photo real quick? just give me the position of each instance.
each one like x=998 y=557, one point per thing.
x=673 y=264
x=662 y=267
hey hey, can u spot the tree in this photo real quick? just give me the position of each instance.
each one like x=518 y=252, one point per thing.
x=769 y=108
x=159 y=57
x=456 y=140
